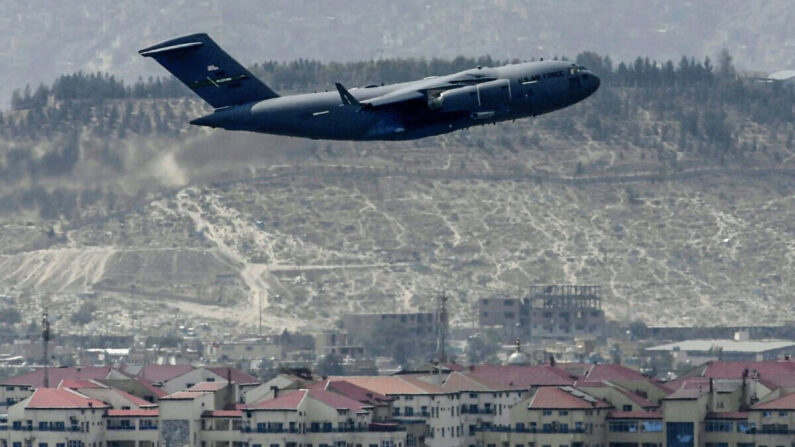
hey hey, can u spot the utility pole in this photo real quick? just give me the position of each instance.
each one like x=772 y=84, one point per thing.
x=45 y=336
x=259 y=307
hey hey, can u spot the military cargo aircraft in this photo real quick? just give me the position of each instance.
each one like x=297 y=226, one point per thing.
x=404 y=111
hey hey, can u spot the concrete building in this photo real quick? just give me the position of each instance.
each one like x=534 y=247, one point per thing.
x=697 y=352
x=551 y=311
x=337 y=343
x=360 y=326
x=247 y=348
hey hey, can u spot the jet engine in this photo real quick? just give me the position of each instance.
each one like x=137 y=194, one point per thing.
x=489 y=94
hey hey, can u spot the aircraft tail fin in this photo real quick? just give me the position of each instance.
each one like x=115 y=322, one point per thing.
x=209 y=71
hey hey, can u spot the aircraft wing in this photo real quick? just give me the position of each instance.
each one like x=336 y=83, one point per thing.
x=394 y=98
x=422 y=92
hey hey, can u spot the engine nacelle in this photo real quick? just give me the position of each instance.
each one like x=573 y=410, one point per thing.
x=486 y=95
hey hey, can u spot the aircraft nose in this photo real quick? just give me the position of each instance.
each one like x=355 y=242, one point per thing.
x=594 y=83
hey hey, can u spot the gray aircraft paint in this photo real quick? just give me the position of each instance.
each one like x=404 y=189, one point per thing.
x=404 y=111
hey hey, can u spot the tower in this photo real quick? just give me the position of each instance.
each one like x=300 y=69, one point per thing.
x=45 y=337
x=441 y=327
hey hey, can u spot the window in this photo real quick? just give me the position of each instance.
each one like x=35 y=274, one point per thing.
x=767 y=414
x=547 y=413
x=623 y=426
x=626 y=408
x=745 y=427
x=719 y=426
x=409 y=411
x=563 y=412
x=651 y=426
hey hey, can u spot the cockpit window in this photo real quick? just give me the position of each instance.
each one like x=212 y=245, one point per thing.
x=574 y=69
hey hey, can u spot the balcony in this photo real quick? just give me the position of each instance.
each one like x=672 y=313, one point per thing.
x=505 y=429
x=468 y=410
x=122 y=427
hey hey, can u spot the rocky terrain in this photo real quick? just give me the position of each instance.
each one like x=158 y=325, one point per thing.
x=313 y=230
x=675 y=195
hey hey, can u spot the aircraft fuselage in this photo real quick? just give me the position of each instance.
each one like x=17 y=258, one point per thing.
x=512 y=92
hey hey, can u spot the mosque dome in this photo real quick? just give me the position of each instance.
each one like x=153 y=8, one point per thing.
x=518 y=357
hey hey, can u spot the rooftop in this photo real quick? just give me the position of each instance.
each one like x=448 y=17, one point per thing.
x=353 y=391
x=563 y=397
x=392 y=385
x=237 y=376
x=772 y=373
x=208 y=386
x=785 y=402
x=162 y=373
x=734 y=346
x=290 y=400
x=462 y=381
x=185 y=395
x=522 y=376
x=61 y=398
x=57 y=375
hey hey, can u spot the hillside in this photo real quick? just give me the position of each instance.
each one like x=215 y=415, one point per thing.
x=683 y=212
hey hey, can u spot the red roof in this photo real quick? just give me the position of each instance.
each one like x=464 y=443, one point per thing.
x=338 y=401
x=563 y=398
x=611 y=371
x=636 y=398
x=162 y=373
x=391 y=385
x=133 y=413
x=208 y=386
x=76 y=384
x=185 y=395
x=35 y=378
x=463 y=381
x=287 y=401
x=237 y=376
x=634 y=415
x=785 y=402
x=150 y=387
x=772 y=373
x=135 y=400
x=354 y=392
x=60 y=398
x=522 y=376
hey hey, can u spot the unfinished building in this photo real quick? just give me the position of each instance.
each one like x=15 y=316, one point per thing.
x=550 y=311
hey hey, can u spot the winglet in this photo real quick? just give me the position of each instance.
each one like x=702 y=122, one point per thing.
x=346 y=96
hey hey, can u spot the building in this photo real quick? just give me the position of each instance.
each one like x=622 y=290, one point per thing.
x=719 y=404
x=360 y=326
x=247 y=348
x=697 y=352
x=337 y=343
x=551 y=311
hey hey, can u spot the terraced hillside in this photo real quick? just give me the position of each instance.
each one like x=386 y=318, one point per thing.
x=682 y=226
